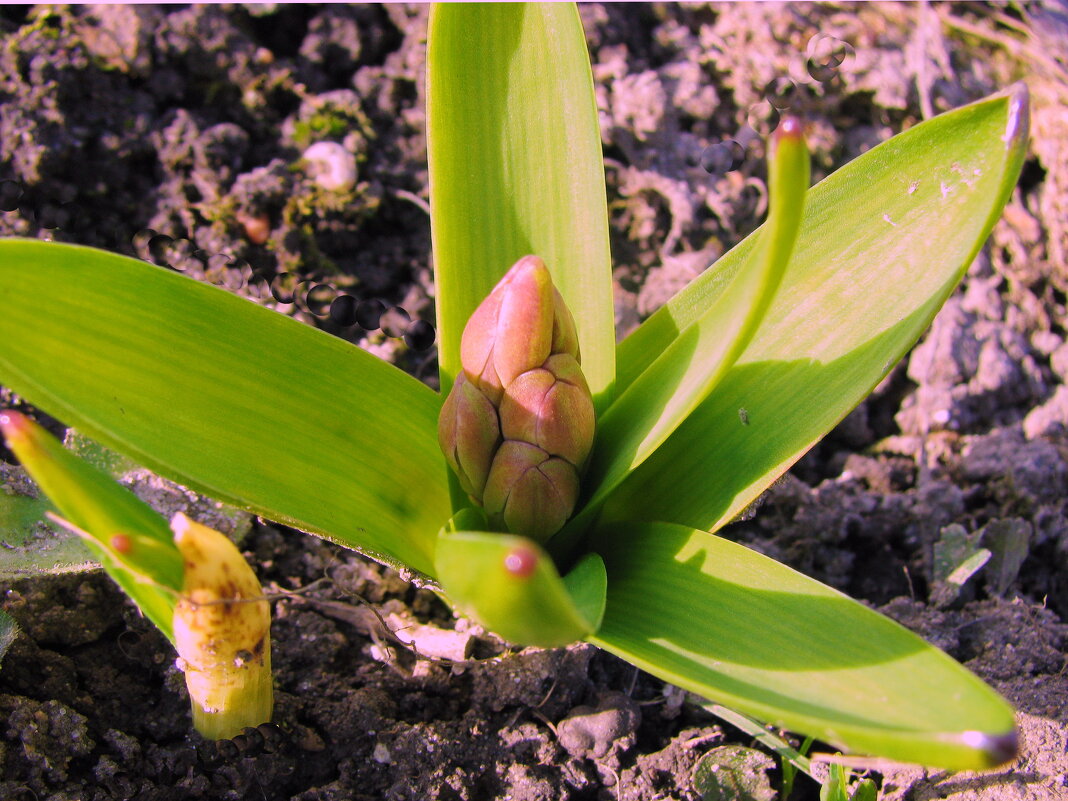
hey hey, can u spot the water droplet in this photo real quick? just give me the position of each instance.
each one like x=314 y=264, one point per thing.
x=258 y=286
x=826 y=55
x=273 y=736
x=723 y=157
x=343 y=310
x=319 y=299
x=10 y=194
x=253 y=737
x=226 y=750
x=395 y=322
x=284 y=287
x=420 y=335
x=369 y=314
x=781 y=92
x=763 y=118
x=158 y=247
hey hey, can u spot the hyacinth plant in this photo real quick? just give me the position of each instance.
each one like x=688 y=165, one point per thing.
x=491 y=490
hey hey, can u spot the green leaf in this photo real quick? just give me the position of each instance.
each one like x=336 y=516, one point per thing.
x=515 y=168
x=510 y=585
x=226 y=397
x=681 y=377
x=94 y=503
x=883 y=243
x=745 y=631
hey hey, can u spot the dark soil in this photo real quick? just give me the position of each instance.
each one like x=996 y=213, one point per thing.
x=162 y=131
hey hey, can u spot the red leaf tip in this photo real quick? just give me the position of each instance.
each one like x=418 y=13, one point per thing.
x=12 y=422
x=790 y=127
x=521 y=562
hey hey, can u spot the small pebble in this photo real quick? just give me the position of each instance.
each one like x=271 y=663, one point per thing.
x=331 y=166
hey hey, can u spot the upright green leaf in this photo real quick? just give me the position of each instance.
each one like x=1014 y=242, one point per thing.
x=684 y=374
x=515 y=168
x=226 y=397
x=745 y=631
x=883 y=243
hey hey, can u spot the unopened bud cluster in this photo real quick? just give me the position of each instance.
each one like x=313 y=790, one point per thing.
x=518 y=424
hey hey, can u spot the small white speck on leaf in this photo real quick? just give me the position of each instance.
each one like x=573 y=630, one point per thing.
x=886 y=218
x=912 y=186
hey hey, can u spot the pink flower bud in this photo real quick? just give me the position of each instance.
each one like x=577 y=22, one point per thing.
x=551 y=407
x=468 y=432
x=530 y=492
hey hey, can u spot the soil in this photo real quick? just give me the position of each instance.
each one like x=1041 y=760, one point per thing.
x=161 y=131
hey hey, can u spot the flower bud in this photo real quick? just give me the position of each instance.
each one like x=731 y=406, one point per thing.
x=518 y=425
x=222 y=633
x=469 y=433
x=530 y=492
x=551 y=407
x=512 y=330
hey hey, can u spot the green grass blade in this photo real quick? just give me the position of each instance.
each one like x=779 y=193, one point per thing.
x=684 y=374
x=883 y=243
x=743 y=630
x=226 y=397
x=515 y=168
x=510 y=585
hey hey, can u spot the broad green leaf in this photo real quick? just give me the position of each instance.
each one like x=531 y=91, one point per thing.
x=510 y=585
x=226 y=397
x=93 y=502
x=681 y=377
x=883 y=243
x=515 y=168
x=743 y=630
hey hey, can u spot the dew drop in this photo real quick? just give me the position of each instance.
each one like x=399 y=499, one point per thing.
x=781 y=92
x=273 y=736
x=420 y=335
x=395 y=322
x=343 y=310
x=369 y=314
x=284 y=287
x=723 y=157
x=763 y=118
x=319 y=299
x=10 y=194
x=226 y=749
x=826 y=55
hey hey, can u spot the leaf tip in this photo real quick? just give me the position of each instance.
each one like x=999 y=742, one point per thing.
x=14 y=424
x=521 y=561
x=999 y=748
x=791 y=127
x=1018 y=127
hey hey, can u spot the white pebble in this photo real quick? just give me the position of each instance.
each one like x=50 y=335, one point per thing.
x=331 y=166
